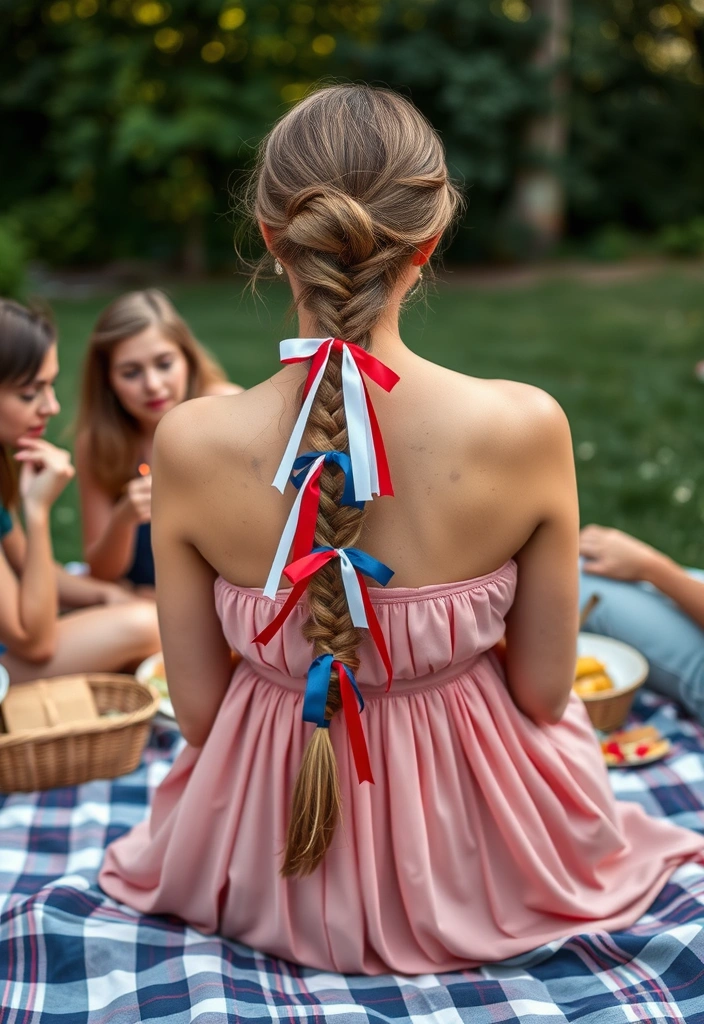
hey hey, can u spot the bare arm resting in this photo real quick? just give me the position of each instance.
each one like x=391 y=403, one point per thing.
x=196 y=654
x=612 y=553
x=541 y=628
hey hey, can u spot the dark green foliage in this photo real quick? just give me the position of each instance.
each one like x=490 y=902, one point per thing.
x=125 y=122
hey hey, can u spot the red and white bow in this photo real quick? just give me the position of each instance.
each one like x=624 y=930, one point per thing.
x=370 y=467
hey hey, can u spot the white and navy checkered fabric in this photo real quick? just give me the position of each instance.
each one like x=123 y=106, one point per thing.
x=69 y=955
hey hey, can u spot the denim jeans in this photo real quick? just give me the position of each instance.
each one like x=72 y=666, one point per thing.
x=643 y=617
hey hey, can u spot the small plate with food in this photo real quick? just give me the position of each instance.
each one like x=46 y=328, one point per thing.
x=631 y=748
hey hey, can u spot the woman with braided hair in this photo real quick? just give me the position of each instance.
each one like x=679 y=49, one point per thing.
x=373 y=789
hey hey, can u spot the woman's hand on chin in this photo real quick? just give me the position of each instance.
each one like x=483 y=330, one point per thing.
x=45 y=470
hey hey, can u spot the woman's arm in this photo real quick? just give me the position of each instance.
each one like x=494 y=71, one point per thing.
x=73 y=591
x=108 y=528
x=612 y=553
x=542 y=624
x=29 y=601
x=196 y=655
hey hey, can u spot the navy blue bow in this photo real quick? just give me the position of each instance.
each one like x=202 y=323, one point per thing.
x=341 y=459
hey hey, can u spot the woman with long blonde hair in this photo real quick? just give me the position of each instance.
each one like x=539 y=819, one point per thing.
x=372 y=790
x=142 y=360
x=34 y=639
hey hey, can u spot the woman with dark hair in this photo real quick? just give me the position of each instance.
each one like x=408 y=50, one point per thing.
x=478 y=818
x=36 y=641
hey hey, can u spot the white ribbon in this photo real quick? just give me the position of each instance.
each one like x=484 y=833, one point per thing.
x=359 y=431
x=353 y=591
x=293 y=348
x=289 y=532
x=362 y=455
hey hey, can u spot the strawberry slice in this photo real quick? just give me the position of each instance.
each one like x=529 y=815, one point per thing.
x=614 y=749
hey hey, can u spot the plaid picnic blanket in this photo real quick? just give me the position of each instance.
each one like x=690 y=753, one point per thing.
x=70 y=955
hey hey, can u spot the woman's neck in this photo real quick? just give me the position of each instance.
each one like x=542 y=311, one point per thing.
x=385 y=337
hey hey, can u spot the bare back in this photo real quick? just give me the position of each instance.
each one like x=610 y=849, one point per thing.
x=465 y=457
x=482 y=472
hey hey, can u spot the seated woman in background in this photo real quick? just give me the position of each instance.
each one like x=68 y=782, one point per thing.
x=34 y=640
x=142 y=360
x=652 y=603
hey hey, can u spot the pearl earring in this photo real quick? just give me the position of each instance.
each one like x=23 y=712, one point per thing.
x=416 y=286
x=278 y=269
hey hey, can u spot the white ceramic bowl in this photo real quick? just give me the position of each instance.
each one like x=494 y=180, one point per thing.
x=4 y=683
x=145 y=673
x=625 y=665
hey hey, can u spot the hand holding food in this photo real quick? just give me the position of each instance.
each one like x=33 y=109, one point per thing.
x=138 y=498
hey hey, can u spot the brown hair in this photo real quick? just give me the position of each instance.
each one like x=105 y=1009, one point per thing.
x=26 y=336
x=351 y=183
x=112 y=434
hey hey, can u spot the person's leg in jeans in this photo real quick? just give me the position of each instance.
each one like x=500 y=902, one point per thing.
x=641 y=616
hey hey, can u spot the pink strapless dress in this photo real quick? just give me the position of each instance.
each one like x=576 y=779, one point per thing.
x=484 y=835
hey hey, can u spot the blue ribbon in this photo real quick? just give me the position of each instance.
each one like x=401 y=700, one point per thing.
x=317 y=686
x=341 y=459
x=366 y=564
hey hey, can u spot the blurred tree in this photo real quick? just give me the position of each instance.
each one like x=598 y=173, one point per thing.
x=537 y=206
x=125 y=121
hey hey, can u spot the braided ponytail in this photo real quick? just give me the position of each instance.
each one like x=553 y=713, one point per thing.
x=350 y=184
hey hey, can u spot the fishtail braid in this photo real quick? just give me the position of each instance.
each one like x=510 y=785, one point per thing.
x=350 y=184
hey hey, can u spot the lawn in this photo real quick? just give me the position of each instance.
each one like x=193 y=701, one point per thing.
x=618 y=357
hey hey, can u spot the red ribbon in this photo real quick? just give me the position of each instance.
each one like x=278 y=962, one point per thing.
x=377 y=371
x=304 y=537
x=299 y=573
x=375 y=630
x=353 y=721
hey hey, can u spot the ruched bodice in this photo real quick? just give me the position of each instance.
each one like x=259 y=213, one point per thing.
x=484 y=834
x=420 y=626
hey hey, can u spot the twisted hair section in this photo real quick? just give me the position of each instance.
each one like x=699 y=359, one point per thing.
x=351 y=183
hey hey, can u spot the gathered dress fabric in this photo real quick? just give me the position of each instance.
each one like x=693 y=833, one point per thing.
x=484 y=835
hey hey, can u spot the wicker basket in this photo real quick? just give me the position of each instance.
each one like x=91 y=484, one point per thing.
x=609 y=710
x=69 y=754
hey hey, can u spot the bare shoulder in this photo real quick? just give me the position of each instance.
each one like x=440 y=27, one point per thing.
x=197 y=435
x=526 y=417
x=222 y=387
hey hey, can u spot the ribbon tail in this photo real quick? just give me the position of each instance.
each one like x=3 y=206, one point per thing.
x=358 y=741
x=290 y=534
x=355 y=587
x=304 y=538
x=355 y=414
x=265 y=635
x=382 y=462
x=377 y=636
x=294 y=442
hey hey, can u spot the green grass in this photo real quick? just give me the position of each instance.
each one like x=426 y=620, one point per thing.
x=618 y=357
